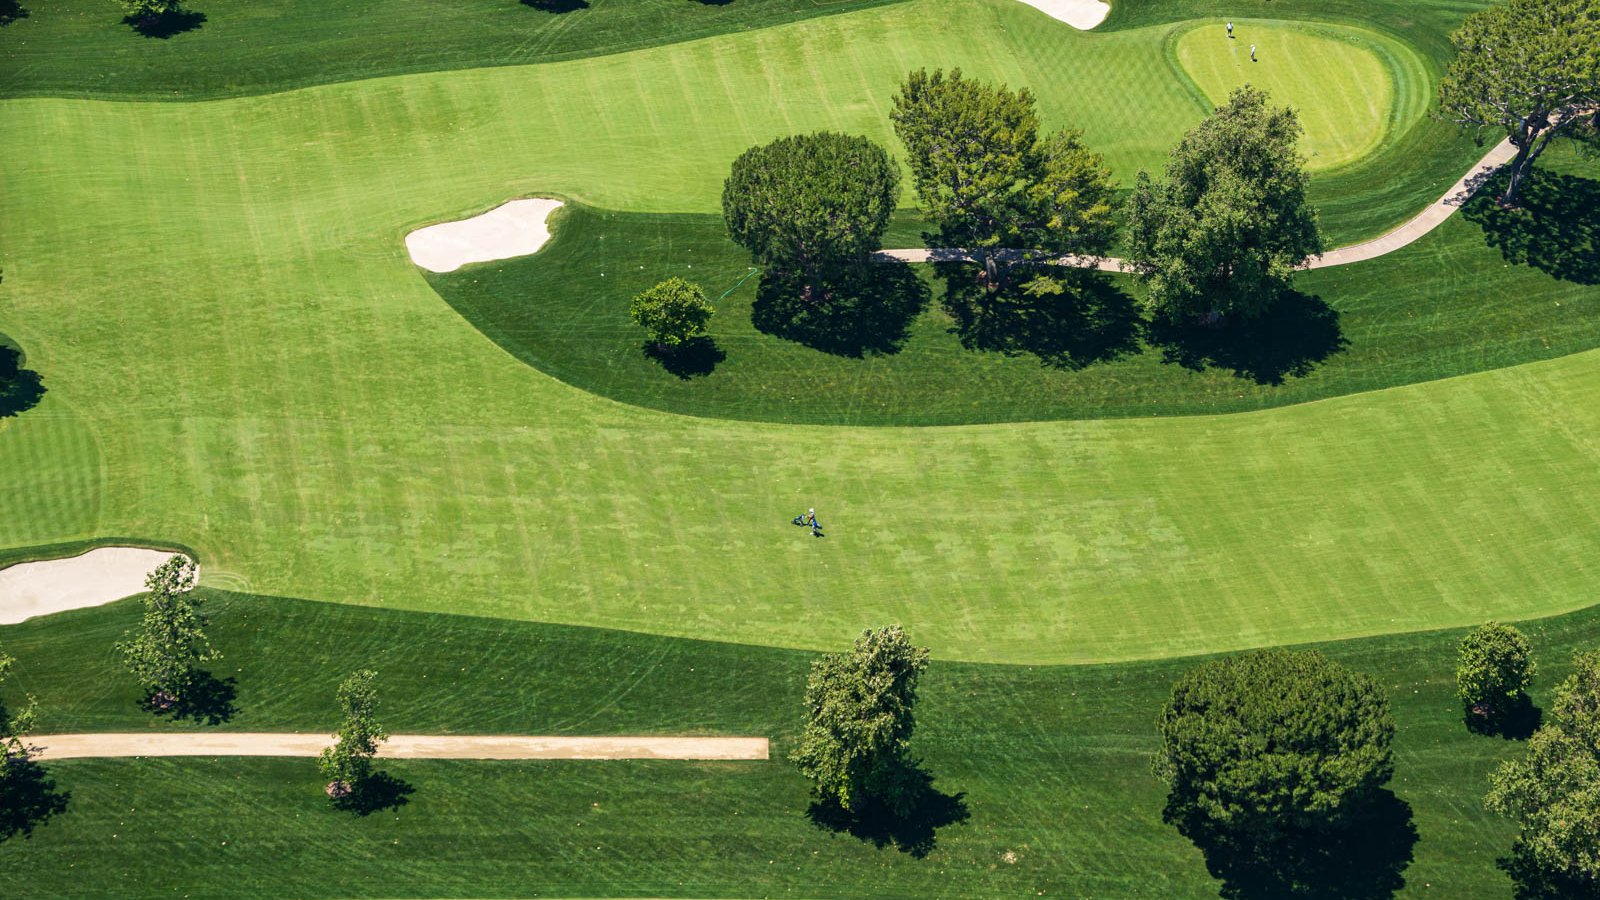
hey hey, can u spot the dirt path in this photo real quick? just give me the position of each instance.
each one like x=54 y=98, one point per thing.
x=399 y=746
x=1411 y=232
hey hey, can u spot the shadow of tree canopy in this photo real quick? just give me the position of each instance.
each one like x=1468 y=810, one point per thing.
x=694 y=358
x=913 y=832
x=20 y=389
x=557 y=6
x=1516 y=721
x=27 y=798
x=1089 y=321
x=1288 y=339
x=207 y=701
x=868 y=309
x=1530 y=881
x=1555 y=229
x=166 y=25
x=1362 y=858
x=380 y=791
x=10 y=11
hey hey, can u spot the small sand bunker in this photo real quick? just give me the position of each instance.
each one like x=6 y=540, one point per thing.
x=1080 y=14
x=514 y=229
x=98 y=577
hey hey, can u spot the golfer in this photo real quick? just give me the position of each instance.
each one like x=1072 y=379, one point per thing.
x=1230 y=31
x=1252 y=52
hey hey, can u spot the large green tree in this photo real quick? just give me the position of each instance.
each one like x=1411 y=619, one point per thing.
x=674 y=312
x=1495 y=667
x=1530 y=69
x=1271 y=742
x=347 y=764
x=859 y=722
x=810 y=204
x=1224 y=233
x=171 y=644
x=996 y=187
x=1553 y=791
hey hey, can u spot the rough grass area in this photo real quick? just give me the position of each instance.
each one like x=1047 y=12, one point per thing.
x=1449 y=305
x=1051 y=764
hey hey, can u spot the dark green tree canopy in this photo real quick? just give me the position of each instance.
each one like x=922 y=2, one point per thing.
x=859 y=720
x=171 y=644
x=1226 y=230
x=1496 y=666
x=1275 y=739
x=995 y=186
x=807 y=204
x=1529 y=69
x=674 y=312
x=1553 y=790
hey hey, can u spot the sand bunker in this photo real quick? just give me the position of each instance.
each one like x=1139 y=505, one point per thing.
x=98 y=577
x=513 y=229
x=1080 y=14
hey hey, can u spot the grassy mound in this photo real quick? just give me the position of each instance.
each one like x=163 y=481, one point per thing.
x=1049 y=763
x=908 y=362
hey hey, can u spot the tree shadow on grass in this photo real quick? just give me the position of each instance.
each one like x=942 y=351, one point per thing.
x=1364 y=858
x=1088 y=321
x=1555 y=229
x=380 y=791
x=167 y=25
x=912 y=832
x=1530 y=881
x=557 y=6
x=28 y=797
x=866 y=309
x=10 y=11
x=694 y=358
x=20 y=389
x=207 y=700
x=1288 y=339
x=1516 y=721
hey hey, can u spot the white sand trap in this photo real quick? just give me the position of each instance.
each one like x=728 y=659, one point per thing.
x=98 y=577
x=1080 y=14
x=513 y=229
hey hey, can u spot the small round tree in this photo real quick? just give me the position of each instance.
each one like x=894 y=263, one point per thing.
x=1276 y=742
x=859 y=722
x=348 y=763
x=1495 y=668
x=171 y=644
x=144 y=14
x=809 y=204
x=675 y=312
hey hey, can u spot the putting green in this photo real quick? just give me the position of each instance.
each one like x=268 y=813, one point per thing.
x=1333 y=77
x=240 y=358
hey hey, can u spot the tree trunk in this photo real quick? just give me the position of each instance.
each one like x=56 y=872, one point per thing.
x=1519 y=171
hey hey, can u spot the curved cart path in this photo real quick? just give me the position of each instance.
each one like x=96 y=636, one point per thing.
x=398 y=746
x=1427 y=220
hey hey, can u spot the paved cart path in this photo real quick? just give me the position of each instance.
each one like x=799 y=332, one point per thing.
x=1411 y=232
x=399 y=746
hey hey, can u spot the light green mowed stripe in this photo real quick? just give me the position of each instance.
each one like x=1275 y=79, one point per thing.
x=219 y=290
x=1342 y=91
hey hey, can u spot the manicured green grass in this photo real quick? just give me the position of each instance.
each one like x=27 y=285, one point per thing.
x=81 y=48
x=565 y=311
x=1052 y=763
x=1342 y=90
x=241 y=359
